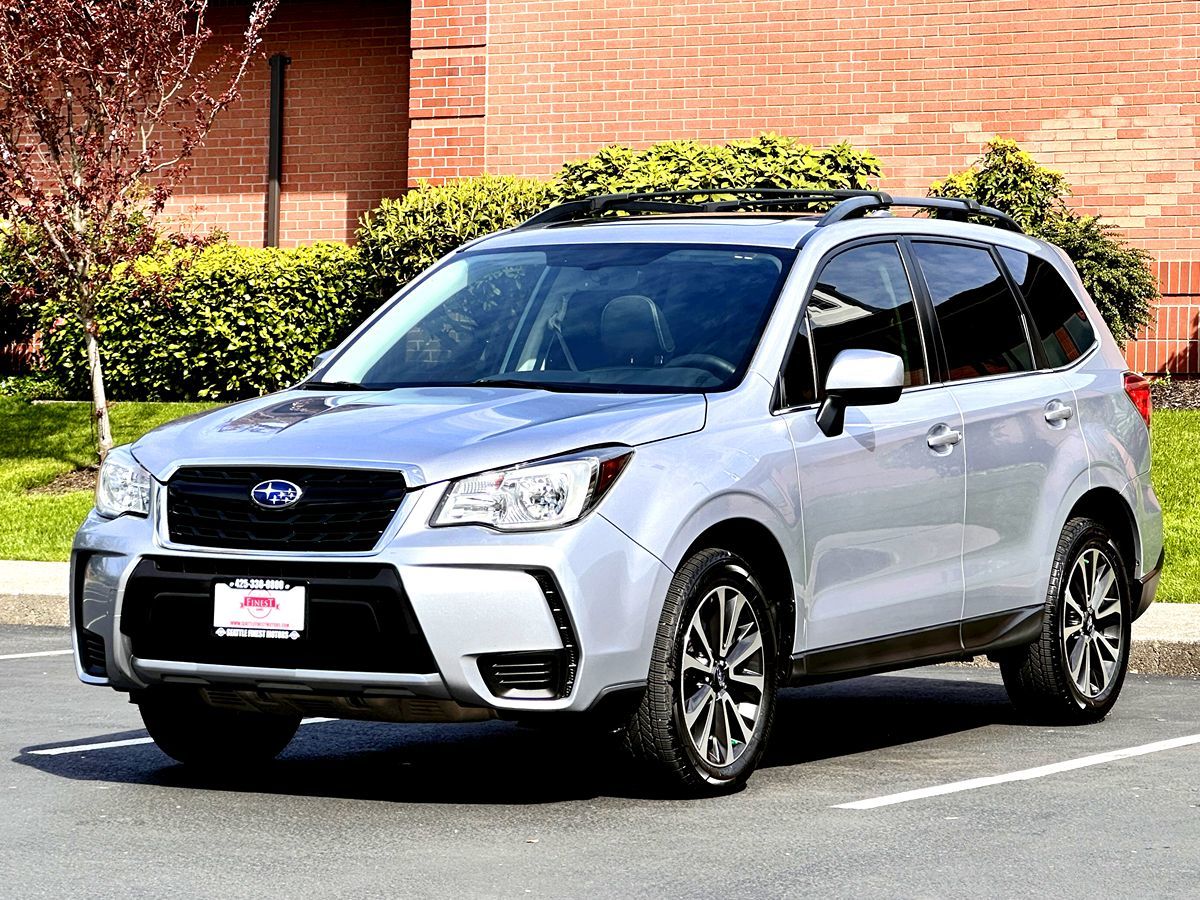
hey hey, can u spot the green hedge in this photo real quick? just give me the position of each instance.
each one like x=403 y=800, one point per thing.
x=220 y=322
x=768 y=160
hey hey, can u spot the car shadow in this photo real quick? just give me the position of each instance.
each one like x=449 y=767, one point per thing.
x=506 y=763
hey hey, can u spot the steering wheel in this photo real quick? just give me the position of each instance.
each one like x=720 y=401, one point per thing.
x=711 y=363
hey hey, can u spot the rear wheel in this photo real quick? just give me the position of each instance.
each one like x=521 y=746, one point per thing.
x=1075 y=670
x=194 y=733
x=710 y=699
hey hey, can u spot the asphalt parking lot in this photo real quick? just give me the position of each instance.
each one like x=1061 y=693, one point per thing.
x=357 y=810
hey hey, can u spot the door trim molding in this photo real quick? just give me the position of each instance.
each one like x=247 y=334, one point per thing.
x=939 y=643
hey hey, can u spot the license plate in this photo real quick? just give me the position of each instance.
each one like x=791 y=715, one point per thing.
x=259 y=608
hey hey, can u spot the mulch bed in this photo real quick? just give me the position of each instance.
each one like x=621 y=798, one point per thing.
x=1178 y=393
x=79 y=480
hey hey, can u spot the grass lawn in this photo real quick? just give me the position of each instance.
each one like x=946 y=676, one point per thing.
x=1176 y=440
x=41 y=442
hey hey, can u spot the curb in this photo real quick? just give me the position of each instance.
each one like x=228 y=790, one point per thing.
x=1149 y=656
x=33 y=609
x=1152 y=657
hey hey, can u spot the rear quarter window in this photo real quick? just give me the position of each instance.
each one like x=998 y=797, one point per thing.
x=1059 y=321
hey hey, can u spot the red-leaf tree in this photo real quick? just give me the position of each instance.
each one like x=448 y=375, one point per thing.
x=102 y=104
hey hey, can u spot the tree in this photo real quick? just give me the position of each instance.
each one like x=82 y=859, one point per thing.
x=1115 y=273
x=102 y=105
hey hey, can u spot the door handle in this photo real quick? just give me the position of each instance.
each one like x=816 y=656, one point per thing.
x=942 y=438
x=1057 y=412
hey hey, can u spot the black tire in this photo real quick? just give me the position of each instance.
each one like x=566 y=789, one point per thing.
x=657 y=734
x=1039 y=677
x=192 y=732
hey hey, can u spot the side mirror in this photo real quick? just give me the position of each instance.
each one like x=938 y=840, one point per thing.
x=858 y=378
x=320 y=359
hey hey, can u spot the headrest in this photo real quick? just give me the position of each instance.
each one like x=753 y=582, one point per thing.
x=633 y=329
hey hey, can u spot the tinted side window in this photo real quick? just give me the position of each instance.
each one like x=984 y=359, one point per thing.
x=1058 y=320
x=863 y=300
x=980 y=319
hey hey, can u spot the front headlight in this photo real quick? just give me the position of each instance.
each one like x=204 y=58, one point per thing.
x=532 y=496
x=122 y=486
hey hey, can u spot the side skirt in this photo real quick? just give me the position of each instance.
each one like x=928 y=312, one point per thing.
x=941 y=643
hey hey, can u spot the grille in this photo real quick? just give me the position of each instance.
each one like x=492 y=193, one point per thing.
x=339 y=509
x=523 y=675
x=359 y=618
x=91 y=650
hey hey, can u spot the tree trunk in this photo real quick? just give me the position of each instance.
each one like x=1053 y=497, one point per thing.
x=104 y=440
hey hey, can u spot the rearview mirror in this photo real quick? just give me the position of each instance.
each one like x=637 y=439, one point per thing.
x=858 y=378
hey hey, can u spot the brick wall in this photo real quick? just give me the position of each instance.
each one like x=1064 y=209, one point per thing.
x=345 y=125
x=448 y=89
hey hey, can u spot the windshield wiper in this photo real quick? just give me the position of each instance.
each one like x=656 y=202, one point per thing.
x=334 y=386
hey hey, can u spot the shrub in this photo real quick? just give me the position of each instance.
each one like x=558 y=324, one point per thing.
x=219 y=322
x=21 y=288
x=32 y=387
x=1115 y=273
x=768 y=160
x=400 y=238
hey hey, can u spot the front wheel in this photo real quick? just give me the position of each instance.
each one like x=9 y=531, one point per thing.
x=710 y=699
x=1075 y=670
x=194 y=733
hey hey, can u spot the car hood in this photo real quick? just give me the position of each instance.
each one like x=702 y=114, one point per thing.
x=430 y=434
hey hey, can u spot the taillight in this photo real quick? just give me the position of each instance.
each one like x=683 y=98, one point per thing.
x=1138 y=389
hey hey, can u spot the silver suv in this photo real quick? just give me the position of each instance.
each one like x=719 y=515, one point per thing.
x=646 y=459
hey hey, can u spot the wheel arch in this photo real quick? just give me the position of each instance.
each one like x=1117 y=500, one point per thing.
x=1106 y=506
x=757 y=544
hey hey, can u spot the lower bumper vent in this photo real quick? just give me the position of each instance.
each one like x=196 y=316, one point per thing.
x=524 y=676
x=92 y=655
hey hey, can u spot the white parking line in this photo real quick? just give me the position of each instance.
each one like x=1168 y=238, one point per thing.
x=129 y=742
x=1022 y=775
x=31 y=655
x=83 y=748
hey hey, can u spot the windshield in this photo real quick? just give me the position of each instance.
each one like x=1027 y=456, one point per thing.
x=588 y=317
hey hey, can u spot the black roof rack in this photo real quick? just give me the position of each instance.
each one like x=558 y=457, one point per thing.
x=957 y=208
x=669 y=202
x=850 y=204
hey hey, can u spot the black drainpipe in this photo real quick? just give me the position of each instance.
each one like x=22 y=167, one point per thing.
x=275 y=147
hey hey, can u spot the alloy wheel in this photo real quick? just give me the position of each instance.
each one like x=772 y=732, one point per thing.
x=722 y=676
x=1092 y=626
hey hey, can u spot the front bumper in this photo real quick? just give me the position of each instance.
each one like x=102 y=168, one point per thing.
x=473 y=593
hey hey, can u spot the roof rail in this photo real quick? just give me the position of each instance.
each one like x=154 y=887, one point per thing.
x=957 y=208
x=670 y=202
x=850 y=204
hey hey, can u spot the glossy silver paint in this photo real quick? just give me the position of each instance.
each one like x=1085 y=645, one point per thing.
x=855 y=370
x=943 y=505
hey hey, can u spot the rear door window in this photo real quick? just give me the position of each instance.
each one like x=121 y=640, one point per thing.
x=1059 y=321
x=982 y=325
x=862 y=300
